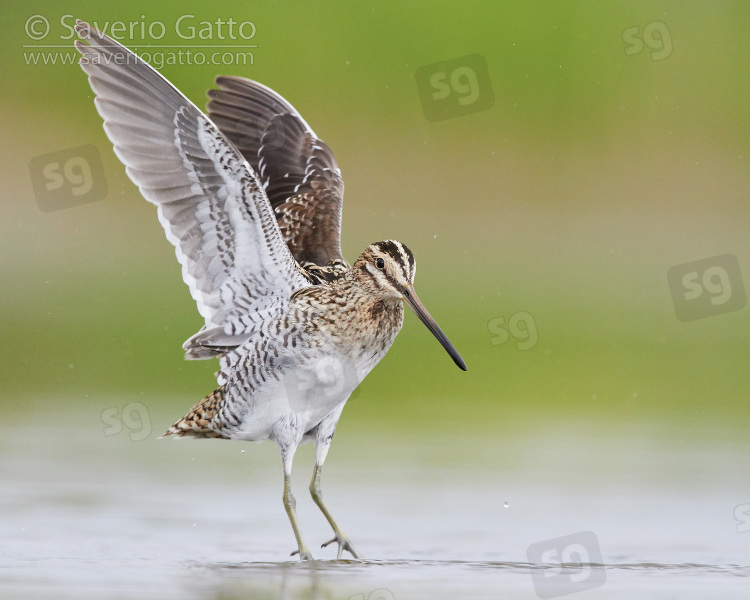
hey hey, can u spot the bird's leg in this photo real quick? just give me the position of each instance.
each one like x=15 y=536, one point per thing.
x=339 y=536
x=290 y=504
x=323 y=436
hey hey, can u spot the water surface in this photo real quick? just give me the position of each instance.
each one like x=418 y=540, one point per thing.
x=438 y=515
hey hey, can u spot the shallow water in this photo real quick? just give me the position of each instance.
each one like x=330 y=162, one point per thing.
x=630 y=510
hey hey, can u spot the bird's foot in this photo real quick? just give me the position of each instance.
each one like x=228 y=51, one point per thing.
x=304 y=554
x=344 y=544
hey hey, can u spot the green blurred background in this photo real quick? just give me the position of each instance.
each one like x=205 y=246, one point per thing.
x=597 y=169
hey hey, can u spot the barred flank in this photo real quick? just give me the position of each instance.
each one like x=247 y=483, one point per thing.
x=198 y=422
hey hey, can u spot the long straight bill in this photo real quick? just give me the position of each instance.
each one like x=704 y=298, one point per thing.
x=411 y=298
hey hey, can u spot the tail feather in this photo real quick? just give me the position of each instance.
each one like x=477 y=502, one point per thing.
x=200 y=421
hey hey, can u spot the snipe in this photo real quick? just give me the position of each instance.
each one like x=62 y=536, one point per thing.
x=251 y=200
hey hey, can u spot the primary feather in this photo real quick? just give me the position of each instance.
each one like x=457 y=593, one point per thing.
x=210 y=202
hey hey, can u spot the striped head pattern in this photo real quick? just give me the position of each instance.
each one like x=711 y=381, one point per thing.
x=386 y=269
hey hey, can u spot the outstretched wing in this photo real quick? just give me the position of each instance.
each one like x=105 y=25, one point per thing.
x=298 y=170
x=210 y=202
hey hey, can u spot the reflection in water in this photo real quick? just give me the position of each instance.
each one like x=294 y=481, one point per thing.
x=103 y=515
x=431 y=578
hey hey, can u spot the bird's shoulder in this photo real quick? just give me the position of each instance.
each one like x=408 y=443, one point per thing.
x=324 y=274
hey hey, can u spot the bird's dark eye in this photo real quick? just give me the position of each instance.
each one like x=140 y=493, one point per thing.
x=380 y=263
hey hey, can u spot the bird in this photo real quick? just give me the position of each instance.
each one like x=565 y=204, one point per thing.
x=251 y=199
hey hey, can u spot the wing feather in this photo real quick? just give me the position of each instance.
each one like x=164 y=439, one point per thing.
x=298 y=170
x=209 y=200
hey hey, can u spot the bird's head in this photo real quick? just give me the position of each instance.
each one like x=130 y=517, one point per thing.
x=386 y=269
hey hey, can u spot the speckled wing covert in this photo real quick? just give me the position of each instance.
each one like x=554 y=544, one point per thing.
x=210 y=202
x=298 y=171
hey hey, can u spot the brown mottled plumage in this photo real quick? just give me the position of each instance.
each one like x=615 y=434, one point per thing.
x=298 y=170
x=319 y=315
x=251 y=199
x=197 y=422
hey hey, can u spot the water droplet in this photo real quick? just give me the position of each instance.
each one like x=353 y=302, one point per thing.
x=243 y=452
x=506 y=504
